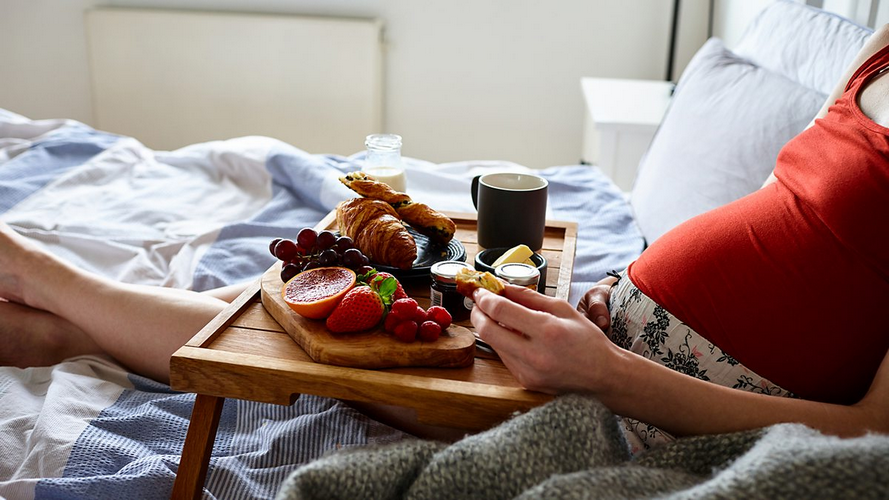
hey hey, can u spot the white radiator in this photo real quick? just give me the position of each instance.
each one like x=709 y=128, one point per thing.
x=172 y=78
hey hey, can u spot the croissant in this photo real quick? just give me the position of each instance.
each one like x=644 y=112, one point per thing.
x=377 y=231
x=427 y=221
x=369 y=187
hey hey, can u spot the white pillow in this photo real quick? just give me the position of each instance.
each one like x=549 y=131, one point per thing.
x=719 y=139
x=815 y=46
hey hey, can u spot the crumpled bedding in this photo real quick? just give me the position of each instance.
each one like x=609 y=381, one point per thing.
x=573 y=448
x=198 y=218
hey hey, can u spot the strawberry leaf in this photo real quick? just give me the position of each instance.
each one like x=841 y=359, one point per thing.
x=367 y=277
x=385 y=287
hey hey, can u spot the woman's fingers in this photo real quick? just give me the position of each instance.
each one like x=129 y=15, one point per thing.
x=515 y=309
x=537 y=301
x=515 y=350
x=594 y=305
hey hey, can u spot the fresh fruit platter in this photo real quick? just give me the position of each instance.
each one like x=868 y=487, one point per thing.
x=342 y=311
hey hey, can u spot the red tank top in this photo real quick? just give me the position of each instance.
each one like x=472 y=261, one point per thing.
x=793 y=280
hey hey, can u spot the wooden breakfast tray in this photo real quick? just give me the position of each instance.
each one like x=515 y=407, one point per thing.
x=244 y=353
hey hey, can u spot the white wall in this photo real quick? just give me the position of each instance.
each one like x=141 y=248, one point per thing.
x=465 y=79
x=43 y=59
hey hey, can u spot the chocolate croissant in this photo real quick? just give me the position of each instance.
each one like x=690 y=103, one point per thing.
x=377 y=231
x=369 y=187
x=436 y=225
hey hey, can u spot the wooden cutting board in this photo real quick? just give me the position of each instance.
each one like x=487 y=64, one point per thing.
x=369 y=349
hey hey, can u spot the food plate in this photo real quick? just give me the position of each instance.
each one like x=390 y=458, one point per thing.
x=428 y=253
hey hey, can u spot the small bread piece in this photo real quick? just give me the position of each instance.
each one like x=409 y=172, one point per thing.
x=469 y=280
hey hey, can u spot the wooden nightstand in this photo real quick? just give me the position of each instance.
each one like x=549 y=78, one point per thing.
x=621 y=119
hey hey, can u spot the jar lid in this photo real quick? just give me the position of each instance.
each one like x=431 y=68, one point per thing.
x=518 y=273
x=383 y=142
x=446 y=270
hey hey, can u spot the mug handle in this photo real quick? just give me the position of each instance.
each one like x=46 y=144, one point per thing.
x=473 y=190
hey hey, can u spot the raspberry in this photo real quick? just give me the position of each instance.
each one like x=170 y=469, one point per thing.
x=391 y=321
x=404 y=308
x=429 y=331
x=406 y=331
x=420 y=315
x=440 y=315
x=401 y=316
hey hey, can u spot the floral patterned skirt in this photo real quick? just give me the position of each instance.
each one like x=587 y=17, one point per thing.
x=641 y=326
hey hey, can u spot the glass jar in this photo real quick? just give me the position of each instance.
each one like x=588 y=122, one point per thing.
x=383 y=160
x=519 y=274
x=443 y=291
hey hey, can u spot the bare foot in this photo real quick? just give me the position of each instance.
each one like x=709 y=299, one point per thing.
x=31 y=337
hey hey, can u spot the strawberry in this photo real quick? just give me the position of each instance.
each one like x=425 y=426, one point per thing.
x=406 y=331
x=440 y=315
x=429 y=331
x=375 y=278
x=399 y=291
x=361 y=308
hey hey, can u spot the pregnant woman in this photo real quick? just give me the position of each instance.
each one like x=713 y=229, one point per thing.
x=766 y=310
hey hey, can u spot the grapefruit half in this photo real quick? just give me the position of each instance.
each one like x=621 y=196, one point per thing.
x=315 y=293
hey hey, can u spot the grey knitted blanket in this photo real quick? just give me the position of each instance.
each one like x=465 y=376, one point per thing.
x=573 y=448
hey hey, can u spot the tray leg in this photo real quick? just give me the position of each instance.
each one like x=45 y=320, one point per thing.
x=197 y=448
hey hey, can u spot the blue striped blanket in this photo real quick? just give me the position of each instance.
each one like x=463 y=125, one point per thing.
x=198 y=218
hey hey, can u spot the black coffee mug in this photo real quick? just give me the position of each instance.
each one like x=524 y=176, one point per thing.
x=511 y=209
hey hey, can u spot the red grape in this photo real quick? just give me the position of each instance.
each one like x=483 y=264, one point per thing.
x=272 y=246
x=328 y=257
x=289 y=271
x=325 y=240
x=342 y=244
x=306 y=238
x=285 y=250
x=352 y=258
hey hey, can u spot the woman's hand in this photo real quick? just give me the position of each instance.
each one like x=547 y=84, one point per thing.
x=594 y=304
x=546 y=344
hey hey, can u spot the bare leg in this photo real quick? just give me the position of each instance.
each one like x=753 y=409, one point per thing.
x=140 y=326
x=228 y=293
x=31 y=337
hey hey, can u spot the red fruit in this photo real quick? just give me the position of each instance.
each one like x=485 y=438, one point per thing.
x=440 y=315
x=360 y=309
x=391 y=321
x=315 y=293
x=399 y=291
x=419 y=315
x=429 y=331
x=406 y=331
x=404 y=308
x=400 y=317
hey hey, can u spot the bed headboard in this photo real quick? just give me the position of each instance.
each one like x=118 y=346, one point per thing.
x=173 y=78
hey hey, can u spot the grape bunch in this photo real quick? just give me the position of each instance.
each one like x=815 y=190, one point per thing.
x=313 y=249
